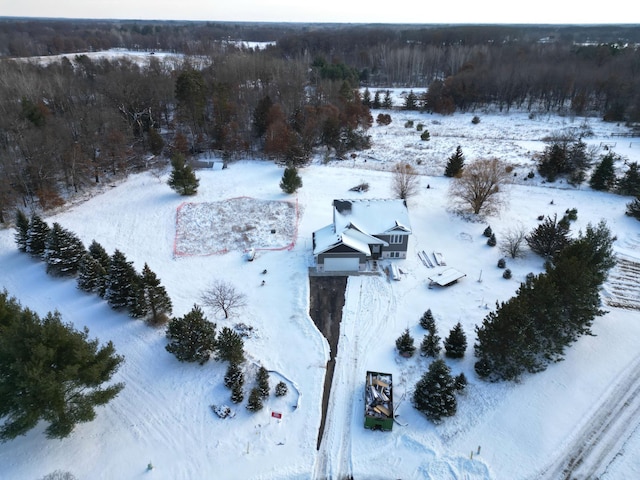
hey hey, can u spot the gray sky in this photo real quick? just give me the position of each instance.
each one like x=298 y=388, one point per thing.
x=339 y=11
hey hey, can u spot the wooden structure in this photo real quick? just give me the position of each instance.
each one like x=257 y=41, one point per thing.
x=378 y=401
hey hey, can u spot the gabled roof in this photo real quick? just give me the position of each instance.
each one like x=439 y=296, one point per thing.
x=355 y=222
x=372 y=216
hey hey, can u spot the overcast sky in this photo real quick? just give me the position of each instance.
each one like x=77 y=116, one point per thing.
x=339 y=11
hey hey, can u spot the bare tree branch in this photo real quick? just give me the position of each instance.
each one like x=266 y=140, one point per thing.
x=223 y=297
x=405 y=181
x=480 y=188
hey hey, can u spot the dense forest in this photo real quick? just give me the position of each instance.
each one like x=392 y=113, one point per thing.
x=77 y=120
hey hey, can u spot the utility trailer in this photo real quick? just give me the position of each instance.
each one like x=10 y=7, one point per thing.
x=378 y=401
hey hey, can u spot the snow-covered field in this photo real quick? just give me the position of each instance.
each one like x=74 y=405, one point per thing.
x=501 y=431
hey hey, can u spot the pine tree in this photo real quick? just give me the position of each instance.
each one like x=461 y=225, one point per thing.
x=487 y=231
x=550 y=237
x=430 y=346
x=434 y=394
x=63 y=251
x=387 y=102
x=553 y=162
x=455 y=345
x=99 y=253
x=50 y=372
x=404 y=344
x=633 y=208
x=455 y=164
x=629 y=184
x=263 y=382
x=234 y=376
x=192 y=338
x=254 y=403
x=604 y=175
x=182 y=178
x=366 y=98
x=155 y=297
x=411 y=101
x=37 y=236
x=22 y=230
x=281 y=389
x=230 y=346
x=237 y=393
x=291 y=181
x=460 y=382
x=376 y=100
x=427 y=322
x=90 y=274
x=492 y=242
x=121 y=282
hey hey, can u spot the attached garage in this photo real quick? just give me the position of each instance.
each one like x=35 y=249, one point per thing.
x=341 y=264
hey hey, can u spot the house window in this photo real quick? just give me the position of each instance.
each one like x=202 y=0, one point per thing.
x=395 y=239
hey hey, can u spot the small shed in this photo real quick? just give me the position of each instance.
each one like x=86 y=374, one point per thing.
x=446 y=277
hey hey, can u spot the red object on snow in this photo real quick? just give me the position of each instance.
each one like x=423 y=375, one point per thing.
x=276 y=414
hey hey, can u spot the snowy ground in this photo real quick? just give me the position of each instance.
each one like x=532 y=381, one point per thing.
x=502 y=431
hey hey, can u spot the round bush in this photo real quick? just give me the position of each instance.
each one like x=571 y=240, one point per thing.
x=506 y=274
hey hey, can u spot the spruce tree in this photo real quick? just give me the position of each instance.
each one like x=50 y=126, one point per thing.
x=455 y=345
x=50 y=372
x=182 y=178
x=230 y=346
x=192 y=338
x=411 y=101
x=455 y=163
x=263 y=382
x=550 y=237
x=121 y=282
x=155 y=297
x=234 y=376
x=281 y=389
x=633 y=208
x=63 y=251
x=487 y=231
x=434 y=394
x=430 y=346
x=492 y=242
x=460 y=382
x=22 y=230
x=387 y=102
x=291 y=181
x=404 y=344
x=604 y=175
x=99 y=253
x=254 y=404
x=90 y=274
x=37 y=236
x=237 y=393
x=427 y=322
x=629 y=184
x=376 y=100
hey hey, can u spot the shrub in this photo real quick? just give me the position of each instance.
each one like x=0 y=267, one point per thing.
x=408 y=124
x=475 y=120
x=487 y=232
x=502 y=263
x=492 y=240
x=506 y=274
x=383 y=119
x=420 y=127
x=425 y=136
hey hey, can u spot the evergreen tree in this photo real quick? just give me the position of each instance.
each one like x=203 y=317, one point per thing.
x=430 y=346
x=376 y=100
x=411 y=101
x=122 y=281
x=50 y=372
x=552 y=162
x=604 y=175
x=434 y=394
x=98 y=252
x=254 y=404
x=291 y=181
x=550 y=237
x=366 y=98
x=427 y=322
x=263 y=382
x=455 y=163
x=633 y=208
x=234 y=376
x=460 y=382
x=387 y=102
x=455 y=345
x=192 y=338
x=63 y=251
x=230 y=346
x=237 y=393
x=281 y=389
x=492 y=242
x=261 y=116
x=22 y=230
x=182 y=178
x=576 y=162
x=629 y=184
x=90 y=274
x=155 y=297
x=37 y=236
x=487 y=231
x=404 y=344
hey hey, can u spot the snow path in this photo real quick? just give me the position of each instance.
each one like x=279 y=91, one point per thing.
x=604 y=433
x=369 y=302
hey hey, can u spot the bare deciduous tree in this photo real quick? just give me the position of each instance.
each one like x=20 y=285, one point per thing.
x=514 y=241
x=405 y=181
x=480 y=188
x=223 y=297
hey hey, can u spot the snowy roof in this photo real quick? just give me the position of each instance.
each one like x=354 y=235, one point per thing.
x=357 y=221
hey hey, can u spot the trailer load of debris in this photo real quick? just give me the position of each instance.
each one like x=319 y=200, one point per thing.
x=378 y=400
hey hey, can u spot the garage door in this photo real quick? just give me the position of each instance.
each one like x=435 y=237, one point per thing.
x=345 y=264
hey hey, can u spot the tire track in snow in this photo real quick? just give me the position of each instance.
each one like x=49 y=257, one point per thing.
x=369 y=302
x=604 y=434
